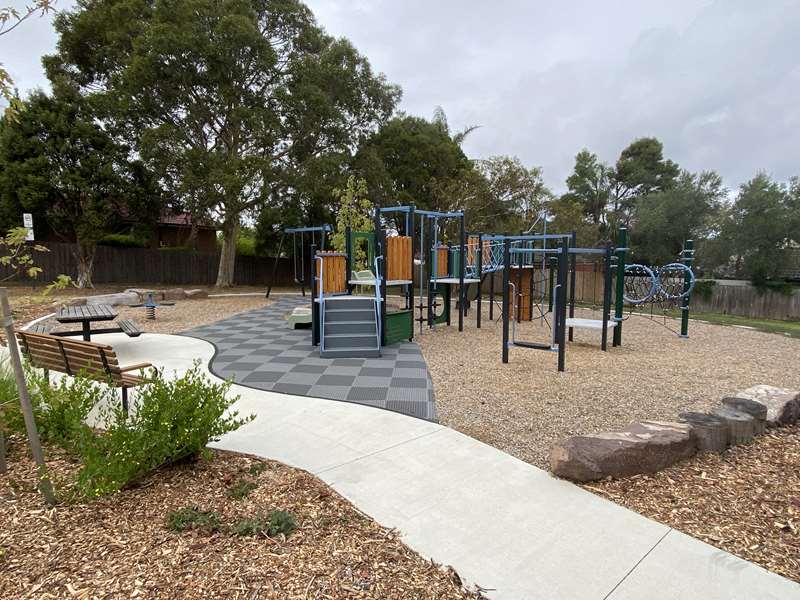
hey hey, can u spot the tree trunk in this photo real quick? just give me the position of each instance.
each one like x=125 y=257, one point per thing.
x=227 y=259
x=84 y=256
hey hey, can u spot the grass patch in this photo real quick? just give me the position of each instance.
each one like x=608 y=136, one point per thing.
x=787 y=328
x=241 y=489
x=192 y=517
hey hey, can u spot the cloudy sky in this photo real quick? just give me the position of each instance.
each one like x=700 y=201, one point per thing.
x=718 y=81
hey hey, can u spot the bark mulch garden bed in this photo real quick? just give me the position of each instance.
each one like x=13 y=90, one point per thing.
x=745 y=500
x=120 y=545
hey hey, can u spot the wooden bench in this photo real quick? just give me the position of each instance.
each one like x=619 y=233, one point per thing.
x=76 y=357
x=129 y=328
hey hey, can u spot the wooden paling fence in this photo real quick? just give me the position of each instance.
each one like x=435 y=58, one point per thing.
x=144 y=265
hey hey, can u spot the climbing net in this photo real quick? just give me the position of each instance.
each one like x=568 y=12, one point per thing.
x=657 y=288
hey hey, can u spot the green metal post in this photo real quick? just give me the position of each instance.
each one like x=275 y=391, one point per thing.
x=688 y=260
x=619 y=303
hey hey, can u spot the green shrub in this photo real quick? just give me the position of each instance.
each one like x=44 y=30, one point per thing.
x=60 y=409
x=124 y=240
x=241 y=489
x=274 y=523
x=173 y=420
x=257 y=468
x=192 y=517
x=704 y=289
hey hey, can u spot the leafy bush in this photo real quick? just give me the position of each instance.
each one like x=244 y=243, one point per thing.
x=192 y=517
x=60 y=409
x=274 y=523
x=241 y=488
x=124 y=240
x=704 y=289
x=174 y=420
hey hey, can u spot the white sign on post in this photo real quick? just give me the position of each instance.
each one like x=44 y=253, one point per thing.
x=27 y=222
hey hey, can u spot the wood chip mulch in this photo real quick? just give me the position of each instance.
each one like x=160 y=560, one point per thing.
x=745 y=500
x=119 y=546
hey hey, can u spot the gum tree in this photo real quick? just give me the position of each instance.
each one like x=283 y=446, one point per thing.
x=229 y=101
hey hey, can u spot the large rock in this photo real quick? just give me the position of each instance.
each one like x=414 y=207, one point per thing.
x=196 y=294
x=77 y=301
x=121 y=299
x=711 y=431
x=174 y=294
x=144 y=293
x=755 y=409
x=783 y=405
x=741 y=426
x=644 y=447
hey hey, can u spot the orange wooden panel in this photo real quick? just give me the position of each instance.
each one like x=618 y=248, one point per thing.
x=399 y=258
x=441 y=265
x=334 y=272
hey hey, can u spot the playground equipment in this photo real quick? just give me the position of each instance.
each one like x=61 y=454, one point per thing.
x=303 y=239
x=665 y=287
x=540 y=274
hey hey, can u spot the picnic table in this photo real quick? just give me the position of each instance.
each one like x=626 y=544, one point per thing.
x=87 y=314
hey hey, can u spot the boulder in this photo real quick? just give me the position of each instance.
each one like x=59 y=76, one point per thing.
x=783 y=405
x=196 y=294
x=644 y=447
x=78 y=301
x=143 y=293
x=711 y=432
x=741 y=426
x=755 y=409
x=121 y=299
x=174 y=294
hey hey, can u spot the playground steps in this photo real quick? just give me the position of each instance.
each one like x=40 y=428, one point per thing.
x=350 y=328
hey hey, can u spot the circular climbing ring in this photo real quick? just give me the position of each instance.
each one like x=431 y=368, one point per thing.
x=641 y=284
x=672 y=281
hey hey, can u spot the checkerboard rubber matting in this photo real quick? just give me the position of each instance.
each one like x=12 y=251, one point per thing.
x=259 y=350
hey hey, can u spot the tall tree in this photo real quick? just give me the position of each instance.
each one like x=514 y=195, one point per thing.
x=640 y=170
x=760 y=228
x=590 y=184
x=667 y=218
x=58 y=163
x=411 y=161
x=233 y=102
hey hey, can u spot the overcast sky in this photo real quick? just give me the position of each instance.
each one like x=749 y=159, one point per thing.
x=718 y=81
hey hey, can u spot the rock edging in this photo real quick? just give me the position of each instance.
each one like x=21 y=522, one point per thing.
x=649 y=446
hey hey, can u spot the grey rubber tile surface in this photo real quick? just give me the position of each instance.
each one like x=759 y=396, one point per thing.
x=259 y=350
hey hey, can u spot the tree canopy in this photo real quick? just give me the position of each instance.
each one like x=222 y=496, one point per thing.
x=233 y=103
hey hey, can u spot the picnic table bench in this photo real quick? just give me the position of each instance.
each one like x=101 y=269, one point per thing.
x=74 y=357
x=89 y=313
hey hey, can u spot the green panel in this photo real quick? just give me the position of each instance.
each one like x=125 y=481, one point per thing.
x=399 y=327
x=355 y=236
x=442 y=291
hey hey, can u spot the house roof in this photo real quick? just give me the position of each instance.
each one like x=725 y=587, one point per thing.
x=170 y=219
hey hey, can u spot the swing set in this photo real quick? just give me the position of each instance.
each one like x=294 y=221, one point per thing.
x=303 y=240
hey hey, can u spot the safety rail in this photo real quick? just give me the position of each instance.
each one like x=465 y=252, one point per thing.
x=378 y=301
x=321 y=302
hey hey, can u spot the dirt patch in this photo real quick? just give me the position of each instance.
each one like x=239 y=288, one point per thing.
x=120 y=546
x=745 y=501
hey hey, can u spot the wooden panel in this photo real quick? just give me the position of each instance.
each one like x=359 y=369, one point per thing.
x=441 y=265
x=334 y=272
x=398 y=264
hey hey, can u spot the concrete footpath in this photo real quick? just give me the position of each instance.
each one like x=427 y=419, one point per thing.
x=501 y=523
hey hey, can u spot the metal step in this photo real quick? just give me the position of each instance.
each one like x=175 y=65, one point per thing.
x=339 y=315
x=364 y=352
x=351 y=327
x=351 y=340
x=349 y=302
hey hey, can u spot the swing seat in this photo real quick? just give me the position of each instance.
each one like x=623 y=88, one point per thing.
x=590 y=324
